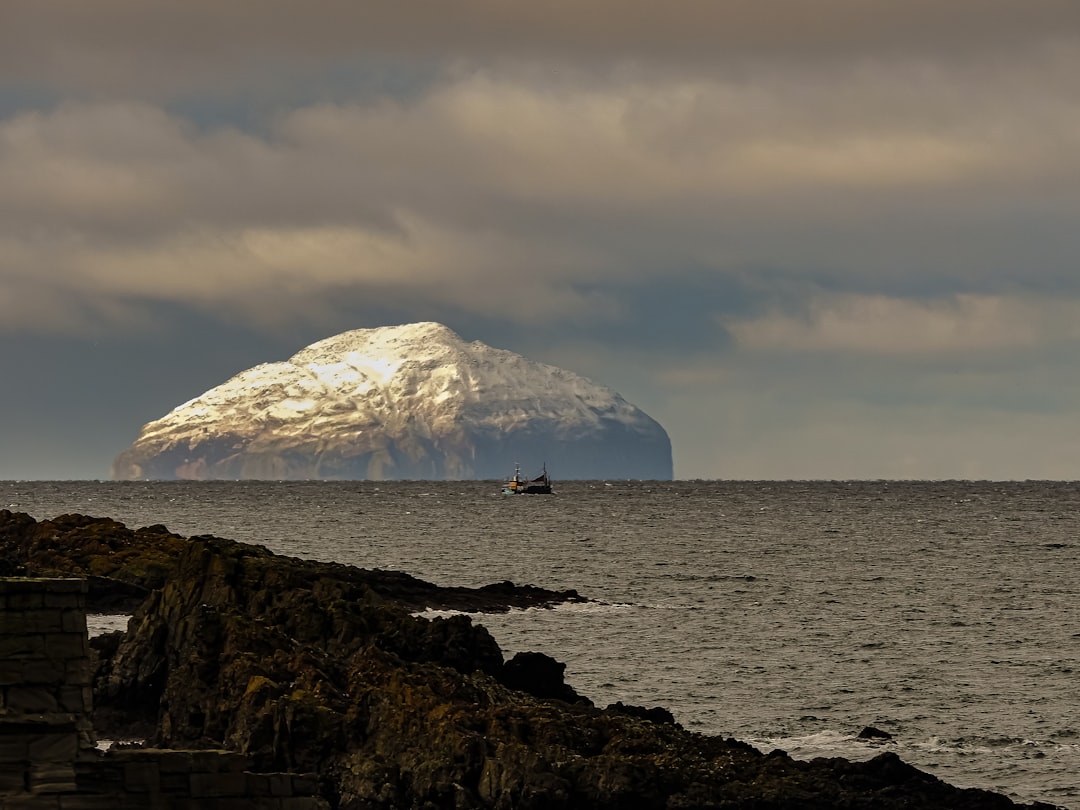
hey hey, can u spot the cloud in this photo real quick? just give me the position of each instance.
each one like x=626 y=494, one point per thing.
x=130 y=46
x=877 y=325
x=540 y=199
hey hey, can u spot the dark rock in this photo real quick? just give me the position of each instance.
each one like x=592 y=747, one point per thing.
x=311 y=667
x=656 y=714
x=516 y=596
x=539 y=675
x=107 y=595
x=871 y=733
x=123 y=566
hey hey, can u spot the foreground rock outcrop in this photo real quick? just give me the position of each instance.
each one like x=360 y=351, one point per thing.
x=311 y=667
x=404 y=402
x=48 y=756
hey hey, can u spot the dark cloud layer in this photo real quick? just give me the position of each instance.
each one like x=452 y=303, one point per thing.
x=122 y=45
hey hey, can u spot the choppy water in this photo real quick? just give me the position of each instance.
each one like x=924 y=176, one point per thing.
x=787 y=614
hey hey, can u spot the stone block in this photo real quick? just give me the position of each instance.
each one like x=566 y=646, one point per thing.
x=64 y=601
x=304 y=803
x=208 y=785
x=281 y=784
x=52 y=777
x=77 y=672
x=67 y=601
x=17 y=584
x=14 y=748
x=26 y=600
x=90 y=802
x=219 y=761
x=13 y=623
x=196 y=804
x=12 y=778
x=257 y=784
x=15 y=725
x=30 y=802
x=176 y=785
x=63 y=747
x=73 y=621
x=30 y=699
x=43 y=671
x=61 y=585
x=142 y=777
x=45 y=620
x=232 y=762
x=74 y=699
x=246 y=803
x=304 y=784
x=174 y=761
x=99 y=777
x=67 y=645
x=11 y=671
x=24 y=646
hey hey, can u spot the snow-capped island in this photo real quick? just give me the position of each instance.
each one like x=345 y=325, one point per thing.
x=401 y=402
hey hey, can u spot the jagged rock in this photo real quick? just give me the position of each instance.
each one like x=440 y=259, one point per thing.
x=306 y=667
x=656 y=714
x=404 y=402
x=539 y=675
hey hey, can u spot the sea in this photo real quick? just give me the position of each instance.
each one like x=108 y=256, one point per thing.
x=790 y=615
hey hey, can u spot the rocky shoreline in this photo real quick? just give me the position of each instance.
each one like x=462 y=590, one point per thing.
x=323 y=668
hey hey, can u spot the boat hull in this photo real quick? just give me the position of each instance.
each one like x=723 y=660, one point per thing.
x=541 y=485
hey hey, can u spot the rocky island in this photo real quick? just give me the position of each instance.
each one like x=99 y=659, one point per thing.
x=402 y=402
x=325 y=669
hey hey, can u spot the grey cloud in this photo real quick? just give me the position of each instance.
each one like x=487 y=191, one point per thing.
x=128 y=45
x=855 y=180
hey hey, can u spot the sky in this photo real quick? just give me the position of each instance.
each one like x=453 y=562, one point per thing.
x=828 y=240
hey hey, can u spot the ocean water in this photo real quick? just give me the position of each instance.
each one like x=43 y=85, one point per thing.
x=787 y=614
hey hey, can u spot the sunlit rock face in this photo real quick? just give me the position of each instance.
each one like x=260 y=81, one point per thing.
x=402 y=402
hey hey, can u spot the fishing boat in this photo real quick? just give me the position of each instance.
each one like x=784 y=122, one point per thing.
x=517 y=485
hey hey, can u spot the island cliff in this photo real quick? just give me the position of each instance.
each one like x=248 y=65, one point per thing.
x=322 y=668
x=404 y=402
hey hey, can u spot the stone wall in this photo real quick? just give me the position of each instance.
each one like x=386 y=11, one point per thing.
x=48 y=756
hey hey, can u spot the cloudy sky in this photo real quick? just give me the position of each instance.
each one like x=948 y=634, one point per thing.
x=830 y=239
